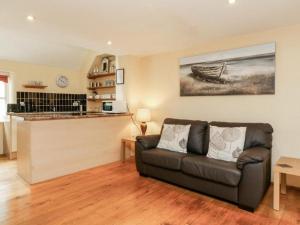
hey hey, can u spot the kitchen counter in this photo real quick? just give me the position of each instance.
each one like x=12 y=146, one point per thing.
x=65 y=115
x=51 y=145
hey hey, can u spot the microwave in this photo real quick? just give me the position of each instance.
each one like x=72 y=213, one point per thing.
x=114 y=107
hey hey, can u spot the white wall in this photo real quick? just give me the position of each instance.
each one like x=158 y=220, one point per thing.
x=1 y=138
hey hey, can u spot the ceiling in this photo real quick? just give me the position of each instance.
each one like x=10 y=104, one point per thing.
x=65 y=31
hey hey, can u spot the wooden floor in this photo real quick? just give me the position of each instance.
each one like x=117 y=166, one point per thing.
x=116 y=195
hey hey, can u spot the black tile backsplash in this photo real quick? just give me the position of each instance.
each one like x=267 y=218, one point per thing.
x=49 y=102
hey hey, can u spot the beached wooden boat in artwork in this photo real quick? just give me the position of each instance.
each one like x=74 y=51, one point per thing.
x=208 y=71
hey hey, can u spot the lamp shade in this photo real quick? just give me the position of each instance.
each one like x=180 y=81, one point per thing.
x=143 y=115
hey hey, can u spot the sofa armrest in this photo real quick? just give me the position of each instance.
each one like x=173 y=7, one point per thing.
x=144 y=143
x=256 y=176
x=252 y=155
x=149 y=141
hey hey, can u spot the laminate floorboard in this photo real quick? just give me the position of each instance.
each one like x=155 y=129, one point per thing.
x=115 y=194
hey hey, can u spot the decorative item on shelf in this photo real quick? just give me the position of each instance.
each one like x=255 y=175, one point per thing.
x=34 y=84
x=120 y=76
x=112 y=67
x=95 y=70
x=106 y=96
x=109 y=83
x=143 y=116
x=95 y=85
x=94 y=97
x=104 y=65
x=113 y=96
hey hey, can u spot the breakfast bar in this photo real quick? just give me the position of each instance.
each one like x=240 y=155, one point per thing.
x=57 y=144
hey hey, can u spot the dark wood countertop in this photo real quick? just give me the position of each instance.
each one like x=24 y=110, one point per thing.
x=65 y=115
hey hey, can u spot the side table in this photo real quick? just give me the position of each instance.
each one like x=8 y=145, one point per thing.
x=127 y=142
x=284 y=166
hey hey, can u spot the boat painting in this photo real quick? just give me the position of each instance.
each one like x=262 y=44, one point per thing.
x=244 y=71
x=208 y=71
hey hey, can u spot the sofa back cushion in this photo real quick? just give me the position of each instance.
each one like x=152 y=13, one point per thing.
x=226 y=143
x=257 y=134
x=196 y=136
x=174 y=137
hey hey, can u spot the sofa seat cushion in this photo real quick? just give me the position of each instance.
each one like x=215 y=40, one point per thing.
x=163 y=158
x=211 y=169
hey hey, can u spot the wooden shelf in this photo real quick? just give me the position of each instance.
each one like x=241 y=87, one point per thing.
x=34 y=86
x=107 y=99
x=99 y=78
x=103 y=87
x=99 y=75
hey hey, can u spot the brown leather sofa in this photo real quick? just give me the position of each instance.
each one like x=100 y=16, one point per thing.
x=244 y=182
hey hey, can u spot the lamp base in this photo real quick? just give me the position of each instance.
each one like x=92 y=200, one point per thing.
x=143 y=128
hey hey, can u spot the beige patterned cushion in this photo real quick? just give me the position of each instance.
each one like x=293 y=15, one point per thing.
x=226 y=143
x=174 y=137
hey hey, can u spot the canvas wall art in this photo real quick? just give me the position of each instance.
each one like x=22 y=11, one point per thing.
x=244 y=71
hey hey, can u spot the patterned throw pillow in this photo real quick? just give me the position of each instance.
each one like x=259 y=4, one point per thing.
x=226 y=143
x=174 y=137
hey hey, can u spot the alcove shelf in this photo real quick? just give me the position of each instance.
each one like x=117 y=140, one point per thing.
x=35 y=86
x=102 y=87
x=101 y=72
x=95 y=76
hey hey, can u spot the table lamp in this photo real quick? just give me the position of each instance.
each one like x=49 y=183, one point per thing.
x=143 y=116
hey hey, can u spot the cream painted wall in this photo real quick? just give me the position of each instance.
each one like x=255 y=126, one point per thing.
x=133 y=79
x=21 y=73
x=160 y=90
x=133 y=84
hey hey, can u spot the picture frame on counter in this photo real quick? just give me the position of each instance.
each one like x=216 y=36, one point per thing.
x=120 y=76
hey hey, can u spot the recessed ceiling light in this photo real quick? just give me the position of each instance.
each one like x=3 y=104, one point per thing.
x=109 y=43
x=231 y=2
x=30 y=18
